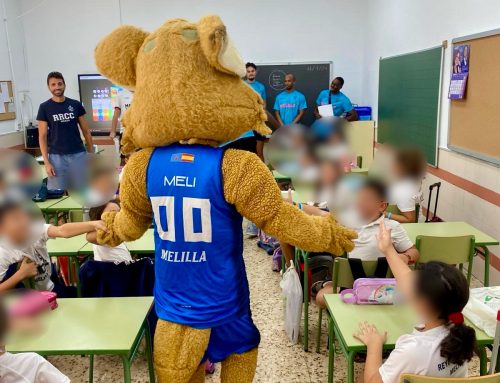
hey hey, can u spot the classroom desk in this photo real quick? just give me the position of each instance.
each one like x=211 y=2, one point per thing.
x=280 y=177
x=64 y=206
x=360 y=171
x=69 y=247
x=454 y=229
x=43 y=206
x=94 y=326
x=396 y=320
x=143 y=245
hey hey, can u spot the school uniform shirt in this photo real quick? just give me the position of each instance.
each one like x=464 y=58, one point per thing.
x=116 y=254
x=28 y=367
x=340 y=102
x=258 y=87
x=405 y=194
x=63 y=135
x=37 y=252
x=289 y=104
x=123 y=102
x=419 y=353
x=366 y=245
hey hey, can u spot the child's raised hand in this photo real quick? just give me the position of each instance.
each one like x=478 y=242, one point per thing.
x=384 y=238
x=28 y=268
x=369 y=335
x=99 y=225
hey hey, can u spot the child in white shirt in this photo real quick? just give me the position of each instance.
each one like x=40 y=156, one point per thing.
x=25 y=241
x=106 y=253
x=26 y=367
x=443 y=345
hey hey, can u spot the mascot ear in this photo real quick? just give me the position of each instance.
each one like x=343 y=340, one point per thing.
x=115 y=55
x=218 y=47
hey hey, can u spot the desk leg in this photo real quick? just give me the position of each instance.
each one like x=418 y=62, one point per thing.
x=77 y=277
x=331 y=350
x=91 y=368
x=483 y=361
x=126 y=369
x=350 y=367
x=486 y=254
x=149 y=352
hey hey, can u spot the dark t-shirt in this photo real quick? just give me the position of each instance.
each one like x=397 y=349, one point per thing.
x=63 y=136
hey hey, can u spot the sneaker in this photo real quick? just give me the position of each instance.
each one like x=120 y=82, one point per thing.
x=251 y=230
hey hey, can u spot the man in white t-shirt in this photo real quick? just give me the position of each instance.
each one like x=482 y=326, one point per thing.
x=124 y=100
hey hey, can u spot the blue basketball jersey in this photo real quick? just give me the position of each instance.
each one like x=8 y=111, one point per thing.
x=200 y=273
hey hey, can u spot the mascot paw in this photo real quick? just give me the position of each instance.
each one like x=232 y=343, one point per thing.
x=342 y=239
x=107 y=238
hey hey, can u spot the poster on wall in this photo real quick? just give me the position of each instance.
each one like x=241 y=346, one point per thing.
x=460 y=71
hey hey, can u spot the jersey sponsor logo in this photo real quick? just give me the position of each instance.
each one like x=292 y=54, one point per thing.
x=287 y=105
x=180 y=181
x=182 y=157
x=63 y=117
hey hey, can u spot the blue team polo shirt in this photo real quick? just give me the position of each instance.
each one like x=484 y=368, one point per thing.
x=341 y=103
x=289 y=104
x=259 y=88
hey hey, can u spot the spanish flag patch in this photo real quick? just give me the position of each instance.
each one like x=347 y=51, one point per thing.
x=182 y=157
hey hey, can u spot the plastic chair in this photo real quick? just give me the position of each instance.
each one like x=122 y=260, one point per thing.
x=307 y=261
x=342 y=277
x=450 y=250
x=410 y=378
x=394 y=210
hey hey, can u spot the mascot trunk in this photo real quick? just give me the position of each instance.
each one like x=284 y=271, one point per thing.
x=189 y=98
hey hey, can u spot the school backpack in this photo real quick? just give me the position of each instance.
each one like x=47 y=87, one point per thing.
x=266 y=242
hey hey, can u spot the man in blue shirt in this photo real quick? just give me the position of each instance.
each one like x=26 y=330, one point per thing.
x=341 y=104
x=290 y=104
x=60 y=120
x=254 y=83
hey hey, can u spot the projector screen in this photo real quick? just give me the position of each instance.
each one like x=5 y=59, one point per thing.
x=99 y=97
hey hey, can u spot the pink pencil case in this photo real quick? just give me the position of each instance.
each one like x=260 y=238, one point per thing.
x=33 y=303
x=371 y=291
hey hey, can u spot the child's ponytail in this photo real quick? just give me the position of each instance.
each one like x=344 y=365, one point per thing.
x=458 y=346
x=447 y=291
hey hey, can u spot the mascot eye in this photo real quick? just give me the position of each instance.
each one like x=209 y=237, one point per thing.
x=190 y=34
x=150 y=45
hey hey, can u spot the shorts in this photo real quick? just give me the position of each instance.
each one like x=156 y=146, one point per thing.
x=235 y=337
x=69 y=170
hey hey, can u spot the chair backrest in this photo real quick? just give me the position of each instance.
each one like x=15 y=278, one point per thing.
x=342 y=274
x=450 y=250
x=395 y=210
x=410 y=378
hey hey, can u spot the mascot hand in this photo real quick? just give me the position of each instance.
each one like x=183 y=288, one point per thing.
x=341 y=238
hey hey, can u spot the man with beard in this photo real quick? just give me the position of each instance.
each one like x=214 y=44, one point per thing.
x=60 y=120
x=290 y=104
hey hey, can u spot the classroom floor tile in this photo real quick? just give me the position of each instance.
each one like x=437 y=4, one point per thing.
x=279 y=361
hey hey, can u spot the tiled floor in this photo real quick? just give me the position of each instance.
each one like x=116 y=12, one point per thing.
x=279 y=361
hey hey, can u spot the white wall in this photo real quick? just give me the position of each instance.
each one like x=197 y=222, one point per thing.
x=61 y=35
x=401 y=26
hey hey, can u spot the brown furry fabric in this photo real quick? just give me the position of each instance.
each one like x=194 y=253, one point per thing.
x=214 y=104
x=187 y=90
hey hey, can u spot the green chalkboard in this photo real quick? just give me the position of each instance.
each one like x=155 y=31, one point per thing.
x=408 y=100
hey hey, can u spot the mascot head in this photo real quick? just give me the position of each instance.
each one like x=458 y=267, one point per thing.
x=186 y=82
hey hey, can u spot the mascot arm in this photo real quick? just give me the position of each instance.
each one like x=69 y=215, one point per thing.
x=251 y=188
x=135 y=215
